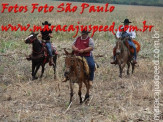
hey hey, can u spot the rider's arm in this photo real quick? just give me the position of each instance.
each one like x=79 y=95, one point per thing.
x=119 y=34
x=91 y=46
x=88 y=49
x=133 y=34
x=73 y=46
x=50 y=35
x=39 y=35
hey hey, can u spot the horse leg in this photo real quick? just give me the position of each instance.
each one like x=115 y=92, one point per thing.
x=128 y=64
x=42 y=71
x=133 y=67
x=71 y=91
x=79 y=92
x=120 y=71
x=87 y=93
x=37 y=67
x=54 y=66
x=33 y=69
x=123 y=65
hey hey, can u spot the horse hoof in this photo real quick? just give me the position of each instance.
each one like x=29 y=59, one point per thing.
x=55 y=77
x=86 y=98
x=81 y=102
x=34 y=78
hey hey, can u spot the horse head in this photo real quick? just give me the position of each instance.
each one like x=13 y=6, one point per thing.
x=31 y=38
x=69 y=62
x=119 y=47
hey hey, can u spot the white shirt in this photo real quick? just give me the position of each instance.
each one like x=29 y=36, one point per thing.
x=131 y=33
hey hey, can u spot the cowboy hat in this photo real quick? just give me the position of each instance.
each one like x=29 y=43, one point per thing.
x=126 y=21
x=46 y=23
x=85 y=32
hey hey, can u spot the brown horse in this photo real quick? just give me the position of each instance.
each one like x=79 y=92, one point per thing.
x=75 y=71
x=123 y=56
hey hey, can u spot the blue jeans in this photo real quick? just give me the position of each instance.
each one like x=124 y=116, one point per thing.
x=91 y=65
x=133 y=45
x=48 y=45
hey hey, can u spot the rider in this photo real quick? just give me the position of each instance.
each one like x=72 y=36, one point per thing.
x=130 y=35
x=83 y=46
x=46 y=34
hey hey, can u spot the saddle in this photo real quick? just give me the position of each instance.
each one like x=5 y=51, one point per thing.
x=46 y=54
x=130 y=48
x=86 y=67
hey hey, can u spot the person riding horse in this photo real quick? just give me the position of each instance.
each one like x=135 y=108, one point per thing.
x=83 y=46
x=46 y=34
x=126 y=34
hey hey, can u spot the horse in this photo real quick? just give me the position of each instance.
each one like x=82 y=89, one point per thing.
x=77 y=72
x=124 y=56
x=39 y=55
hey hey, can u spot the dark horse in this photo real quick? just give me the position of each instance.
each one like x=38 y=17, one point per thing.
x=124 y=56
x=39 y=55
x=76 y=73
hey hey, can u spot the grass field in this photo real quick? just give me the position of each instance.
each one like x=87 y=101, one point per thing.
x=112 y=99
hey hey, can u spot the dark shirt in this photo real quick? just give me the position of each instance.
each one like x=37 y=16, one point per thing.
x=45 y=35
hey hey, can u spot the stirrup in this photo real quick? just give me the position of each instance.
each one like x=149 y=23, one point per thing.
x=114 y=62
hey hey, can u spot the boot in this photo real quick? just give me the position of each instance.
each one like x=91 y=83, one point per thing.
x=134 y=61
x=51 y=61
x=65 y=80
x=114 y=62
x=29 y=57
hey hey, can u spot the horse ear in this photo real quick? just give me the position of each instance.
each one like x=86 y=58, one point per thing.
x=66 y=51
x=32 y=33
x=36 y=34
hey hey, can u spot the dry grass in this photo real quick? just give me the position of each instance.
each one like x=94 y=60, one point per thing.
x=112 y=99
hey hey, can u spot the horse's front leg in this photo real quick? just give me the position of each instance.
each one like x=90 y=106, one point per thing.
x=35 y=72
x=122 y=67
x=128 y=68
x=120 y=71
x=79 y=92
x=133 y=67
x=54 y=66
x=88 y=88
x=71 y=91
x=42 y=71
x=33 y=69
